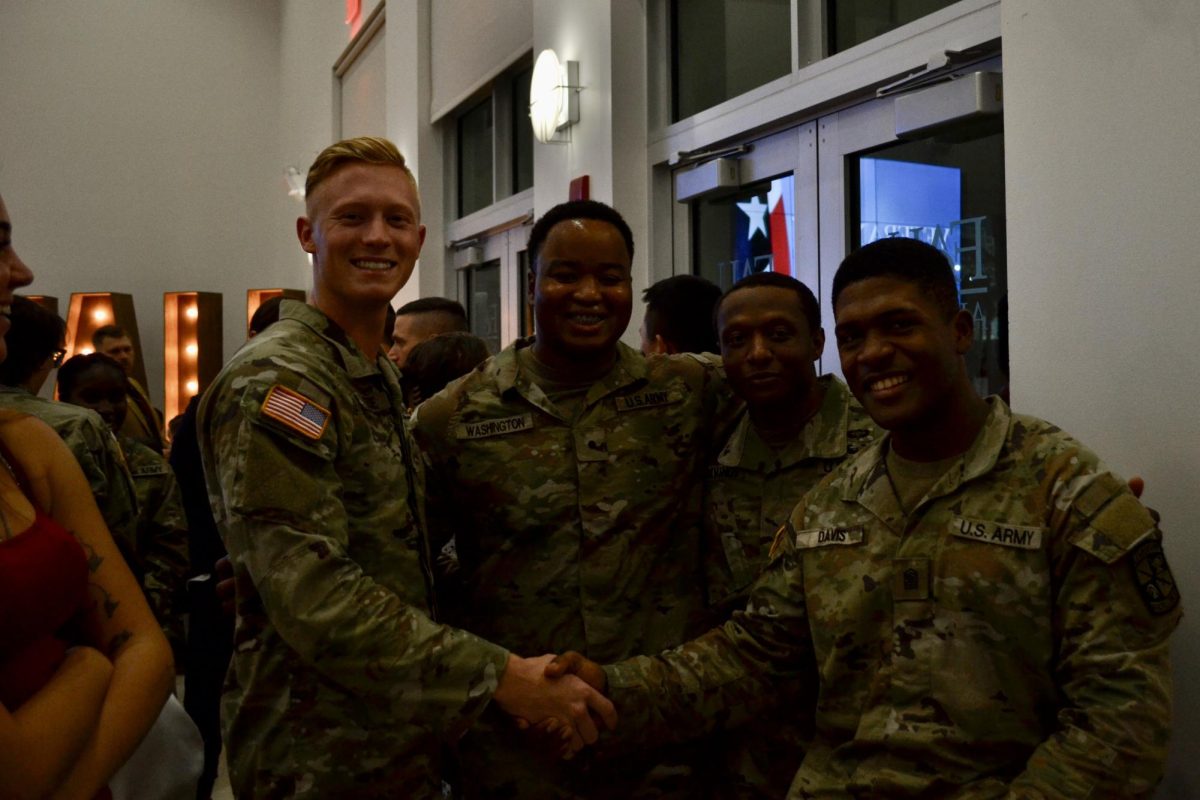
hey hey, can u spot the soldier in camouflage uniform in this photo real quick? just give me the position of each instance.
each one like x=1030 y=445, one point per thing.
x=97 y=382
x=796 y=429
x=36 y=333
x=342 y=684
x=570 y=467
x=995 y=626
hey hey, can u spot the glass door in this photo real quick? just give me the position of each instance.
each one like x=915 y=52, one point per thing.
x=490 y=285
x=942 y=184
x=748 y=209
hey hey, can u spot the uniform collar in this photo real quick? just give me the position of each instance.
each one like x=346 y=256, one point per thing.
x=505 y=370
x=866 y=482
x=356 y=364
x=823 y=437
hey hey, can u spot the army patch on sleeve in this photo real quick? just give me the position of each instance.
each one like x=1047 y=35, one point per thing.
x=777 y=542
x=1153 y=577
x=296 y=412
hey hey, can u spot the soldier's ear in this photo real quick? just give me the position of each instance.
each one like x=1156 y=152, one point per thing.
x=304 y=232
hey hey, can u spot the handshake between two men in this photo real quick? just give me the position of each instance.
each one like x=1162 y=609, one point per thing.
x=567 y=708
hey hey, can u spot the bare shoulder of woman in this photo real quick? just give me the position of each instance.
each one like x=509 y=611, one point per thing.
x=34 y=445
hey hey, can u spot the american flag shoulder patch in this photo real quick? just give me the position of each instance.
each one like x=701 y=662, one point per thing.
x=296 y=411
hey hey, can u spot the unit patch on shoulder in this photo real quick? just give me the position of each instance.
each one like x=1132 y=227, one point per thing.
x=1153 y=577
x=296 y=412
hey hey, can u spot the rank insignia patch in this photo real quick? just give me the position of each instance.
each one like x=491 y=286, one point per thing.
x=1154 y=578
x=296 y=412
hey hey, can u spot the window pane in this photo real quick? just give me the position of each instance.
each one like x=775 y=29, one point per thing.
x=948 y=192
x=852 y=22
x=751 y=231
x=475 y=158
x=483 y=311
x=523 y=290
x=723 y=48
x=522 y=133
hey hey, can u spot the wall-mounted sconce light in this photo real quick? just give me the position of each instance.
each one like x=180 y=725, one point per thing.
x=256 y=297
x=553 y=96
x=295 y=182
x=192 y=346
x=92 y=310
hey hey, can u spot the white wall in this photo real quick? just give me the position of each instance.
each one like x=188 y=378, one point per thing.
x=138 y=151
x=1102 y=109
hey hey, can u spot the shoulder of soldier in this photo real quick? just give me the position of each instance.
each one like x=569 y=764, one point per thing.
x=289 y=354
x=693 y=367
x=75 y=424
x=143 y=461
x=433 y=417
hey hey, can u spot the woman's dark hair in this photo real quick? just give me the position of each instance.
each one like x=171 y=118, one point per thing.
x=35 y=334
x=435 y=362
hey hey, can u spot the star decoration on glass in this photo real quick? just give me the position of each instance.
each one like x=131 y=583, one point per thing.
x=756 y=210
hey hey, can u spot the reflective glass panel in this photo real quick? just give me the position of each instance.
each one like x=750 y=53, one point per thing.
x=483 y=304
x=475 y=158
x=522 y=133
x=751 y=231
x=723 y=48
x=526 y=315
x=852 y=22
x=947 y=191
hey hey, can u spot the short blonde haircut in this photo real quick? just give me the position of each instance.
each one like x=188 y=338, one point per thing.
x=363 y=149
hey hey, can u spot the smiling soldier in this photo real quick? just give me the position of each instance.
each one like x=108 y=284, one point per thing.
x=342 y=684
x=1031 y=662
x=569 y=468
x=796 y=428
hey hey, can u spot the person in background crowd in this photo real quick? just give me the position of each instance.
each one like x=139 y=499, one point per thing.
x=423 y=319
x=76 y=699
x=342 y=683
x=143 y=421
x=989 y=608
x=437 y=361
x=679 y=316
x=210 y=626
x=97 y=382
x=569 y=468
x=796 y=428
x=34 y=343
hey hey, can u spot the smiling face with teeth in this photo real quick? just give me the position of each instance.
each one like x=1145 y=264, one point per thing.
x=903 y=359
x=582 y=296
x=364 y=232
x=13 y=275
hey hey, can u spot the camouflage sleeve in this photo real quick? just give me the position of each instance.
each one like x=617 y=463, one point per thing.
x=1116 y=606
x=430 y=431
x=285 y=525
x=164 y=547
x=103 y=464
x=724 y=677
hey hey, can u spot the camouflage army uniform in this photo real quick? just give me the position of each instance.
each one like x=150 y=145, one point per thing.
x=162 y=539
x=100 y=457
x=1007 y=639
x=750 y=492
x=578 y=534
x=341 y=685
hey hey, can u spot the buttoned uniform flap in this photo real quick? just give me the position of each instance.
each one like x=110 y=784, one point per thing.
x=297 y=413
x=1116 y=521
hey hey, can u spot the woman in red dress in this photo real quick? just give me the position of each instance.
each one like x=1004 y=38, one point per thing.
x=84 y=668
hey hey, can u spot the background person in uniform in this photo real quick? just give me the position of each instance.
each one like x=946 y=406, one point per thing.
x=75 y=699
x=437 y=361
x=97 y=382
x=34 y=340
x=143 y=422
x=342 y=683
x=210 y=627
x=423 y=319
x=797 y=427
x=679 y=316
x=989 y=607
x=570 y=470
